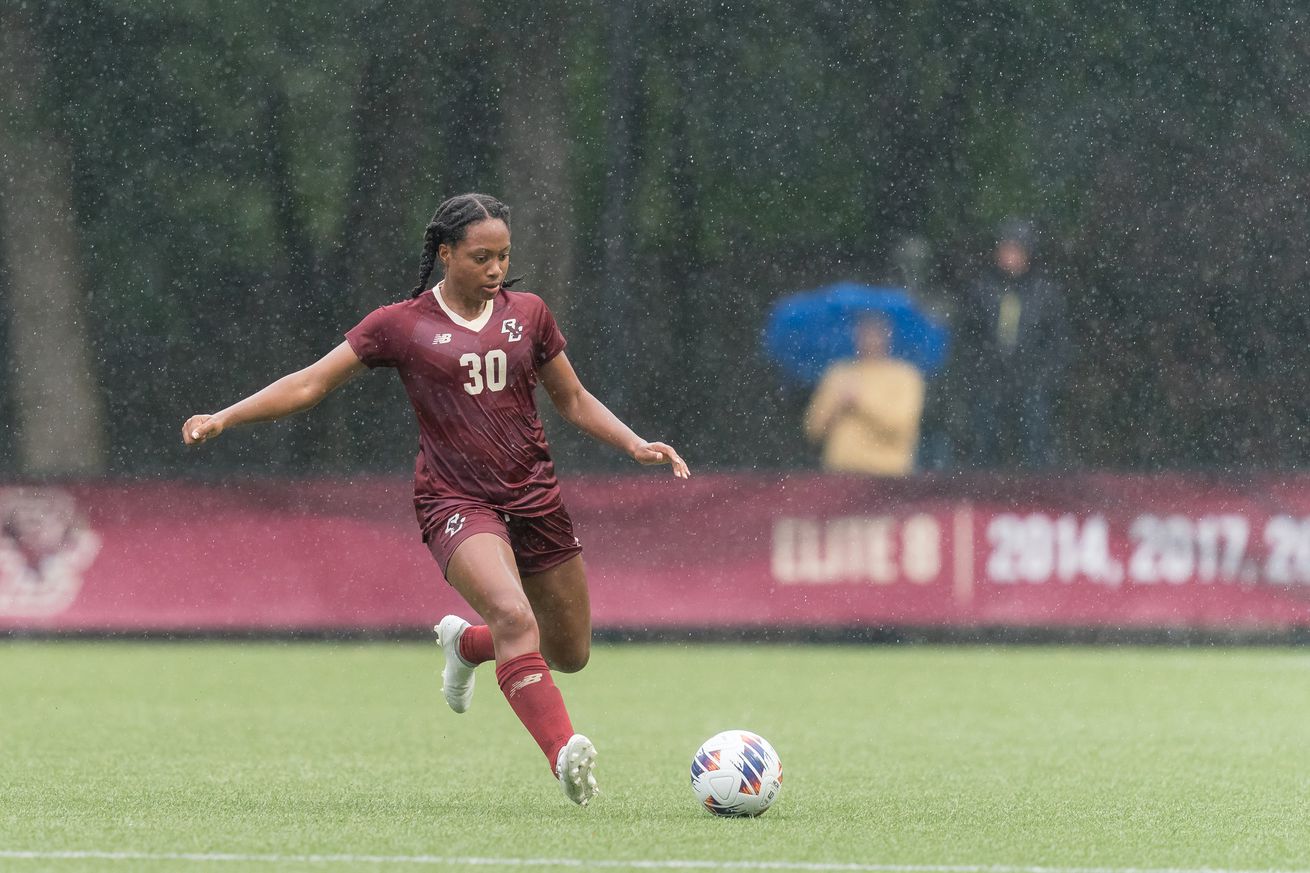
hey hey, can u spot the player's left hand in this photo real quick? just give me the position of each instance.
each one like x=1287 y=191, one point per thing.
x=661 y=453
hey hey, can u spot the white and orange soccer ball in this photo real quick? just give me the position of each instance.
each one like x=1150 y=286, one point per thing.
x=736 y=773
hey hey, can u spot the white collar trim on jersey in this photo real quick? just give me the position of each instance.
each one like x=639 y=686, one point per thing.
x=476 y=324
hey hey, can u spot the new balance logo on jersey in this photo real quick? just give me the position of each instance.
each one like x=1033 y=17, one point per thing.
x=511 y=327
x=441 y=339
x=530 y=679
x=455 y=524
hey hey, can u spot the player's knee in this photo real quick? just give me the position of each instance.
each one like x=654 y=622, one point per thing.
x=570 y=659
x=511 y=620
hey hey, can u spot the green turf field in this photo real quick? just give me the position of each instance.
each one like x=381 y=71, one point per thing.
x=918 y=756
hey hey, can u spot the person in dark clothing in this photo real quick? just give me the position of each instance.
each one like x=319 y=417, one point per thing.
x=1015 y=340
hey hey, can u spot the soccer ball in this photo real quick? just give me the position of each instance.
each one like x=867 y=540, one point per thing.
x=736 y=773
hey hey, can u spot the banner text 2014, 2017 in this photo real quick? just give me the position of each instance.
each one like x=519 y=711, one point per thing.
x=1173 y=549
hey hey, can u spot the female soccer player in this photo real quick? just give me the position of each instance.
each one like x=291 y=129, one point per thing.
x=469 y=352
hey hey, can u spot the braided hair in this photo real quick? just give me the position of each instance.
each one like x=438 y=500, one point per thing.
x=450 y=224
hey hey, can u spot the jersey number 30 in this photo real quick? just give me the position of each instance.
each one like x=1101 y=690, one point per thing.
x=497 y=368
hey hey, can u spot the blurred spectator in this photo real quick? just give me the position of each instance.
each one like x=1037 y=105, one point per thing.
x=943 y=408
x=1014 y=347
x=911 y=263
x=866 y=411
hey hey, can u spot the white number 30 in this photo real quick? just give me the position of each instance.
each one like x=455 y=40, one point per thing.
x=497 y=368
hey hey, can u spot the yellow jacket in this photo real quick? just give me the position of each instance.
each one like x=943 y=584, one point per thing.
x=867 y=413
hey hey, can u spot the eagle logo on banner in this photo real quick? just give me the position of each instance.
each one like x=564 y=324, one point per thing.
x=45 y=547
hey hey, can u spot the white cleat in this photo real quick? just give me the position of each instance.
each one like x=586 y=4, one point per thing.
x=574 y=768
x=457 y=677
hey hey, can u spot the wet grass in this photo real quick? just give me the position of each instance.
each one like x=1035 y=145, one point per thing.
x=1060 y=757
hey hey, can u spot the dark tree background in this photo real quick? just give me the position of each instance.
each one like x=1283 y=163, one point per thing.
x=247 y=179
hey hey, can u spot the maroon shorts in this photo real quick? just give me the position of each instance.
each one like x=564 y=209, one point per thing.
x=538 y=542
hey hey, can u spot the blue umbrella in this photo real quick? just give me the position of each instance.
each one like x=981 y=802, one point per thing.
x=807 y=332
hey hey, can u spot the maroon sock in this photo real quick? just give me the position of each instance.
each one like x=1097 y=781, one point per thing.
x=475 y=645
x=532 y=695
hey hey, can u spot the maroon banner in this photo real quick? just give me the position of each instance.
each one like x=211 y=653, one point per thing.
x=723 y=551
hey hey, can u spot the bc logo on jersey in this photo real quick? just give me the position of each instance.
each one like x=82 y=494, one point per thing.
x=511 y=327
x=455 y=524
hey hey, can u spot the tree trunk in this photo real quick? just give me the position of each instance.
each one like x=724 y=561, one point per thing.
x=60 y=411
x=617 y=333
x=535 y=157
x=376 y=260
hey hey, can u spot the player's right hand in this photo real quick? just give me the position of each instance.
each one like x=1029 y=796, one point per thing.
x=199 y=428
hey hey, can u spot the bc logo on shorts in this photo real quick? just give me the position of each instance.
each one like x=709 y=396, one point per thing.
x=455 y=524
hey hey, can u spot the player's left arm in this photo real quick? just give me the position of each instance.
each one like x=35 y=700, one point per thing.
x=580 y=408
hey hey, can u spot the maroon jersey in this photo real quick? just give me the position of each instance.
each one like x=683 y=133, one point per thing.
x=471 y=384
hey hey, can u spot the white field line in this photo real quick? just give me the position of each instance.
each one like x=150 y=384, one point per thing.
x=583 y=863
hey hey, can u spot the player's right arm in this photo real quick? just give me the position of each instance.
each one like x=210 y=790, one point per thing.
x=293 y=393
